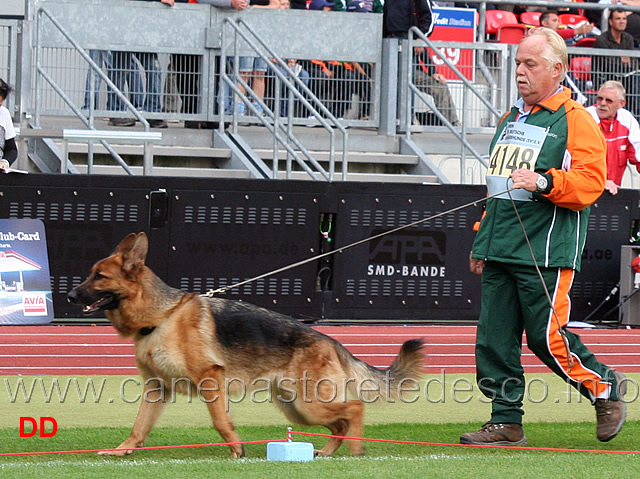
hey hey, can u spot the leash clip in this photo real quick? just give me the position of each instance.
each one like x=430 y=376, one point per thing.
x=212 y=292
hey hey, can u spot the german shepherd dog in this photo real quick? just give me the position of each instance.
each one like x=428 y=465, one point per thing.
x=185 y=340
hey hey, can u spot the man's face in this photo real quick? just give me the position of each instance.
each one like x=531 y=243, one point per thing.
x=608 y=103
x=618 y=21
x=552 y=21
x=536 y=82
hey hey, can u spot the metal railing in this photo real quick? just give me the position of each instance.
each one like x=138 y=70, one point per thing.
x=41 y=72
x=270 y=117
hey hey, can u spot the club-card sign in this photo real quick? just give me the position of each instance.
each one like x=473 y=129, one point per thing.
x=25 y=285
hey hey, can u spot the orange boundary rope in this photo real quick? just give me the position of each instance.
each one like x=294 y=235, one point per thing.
x=141 y=448
x=526 y=448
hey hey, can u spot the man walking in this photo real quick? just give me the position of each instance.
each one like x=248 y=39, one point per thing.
x=549 y=153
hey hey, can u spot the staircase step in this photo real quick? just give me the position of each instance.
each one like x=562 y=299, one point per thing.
x=158 y=150
x=354 y=157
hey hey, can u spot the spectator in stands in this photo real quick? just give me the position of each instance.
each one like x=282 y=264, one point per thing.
x=369 y=6
x=101 y=58
x=633 y=21
x=297 y=70
x=615 y=67
x=252 y=69
x=427 y=79
x=399 y=17
x=187 y=70
x=153 y=87
x=550 y=19
x=8 y=149
x=324 y=73
x=621 y=131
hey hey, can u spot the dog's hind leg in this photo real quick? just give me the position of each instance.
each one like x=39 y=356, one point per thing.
x=350 y=423
x=151 y=407
x=216 y=402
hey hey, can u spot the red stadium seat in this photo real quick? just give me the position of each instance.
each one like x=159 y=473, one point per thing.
x=580 y=67
x=585 y=42
x=570 y=19
x=512 y=33
x=494 y=19
x=531 y=18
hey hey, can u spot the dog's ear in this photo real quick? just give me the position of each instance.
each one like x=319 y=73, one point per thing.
x=126 y=244
x=134 y=249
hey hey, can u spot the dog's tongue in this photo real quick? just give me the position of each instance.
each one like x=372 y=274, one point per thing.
x=91 y=308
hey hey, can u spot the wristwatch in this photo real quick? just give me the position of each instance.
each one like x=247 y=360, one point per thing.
x=541 y=184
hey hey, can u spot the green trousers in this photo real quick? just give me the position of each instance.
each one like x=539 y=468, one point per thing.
x=513 y=302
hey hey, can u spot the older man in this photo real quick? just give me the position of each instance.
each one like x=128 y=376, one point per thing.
x=547 y=166
x=621 y=131
x=613 y=67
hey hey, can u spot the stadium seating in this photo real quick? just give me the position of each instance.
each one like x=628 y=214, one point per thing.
x=494 y=19
x=585 y=42
x=512 y=33
x=531 y=18
x=570 y=19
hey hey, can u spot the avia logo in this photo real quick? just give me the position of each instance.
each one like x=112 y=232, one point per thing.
x=34 y=304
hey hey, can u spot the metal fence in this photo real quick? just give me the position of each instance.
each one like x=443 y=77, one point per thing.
x=166 y=72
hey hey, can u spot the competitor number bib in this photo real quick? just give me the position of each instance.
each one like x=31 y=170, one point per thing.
x=518 y=147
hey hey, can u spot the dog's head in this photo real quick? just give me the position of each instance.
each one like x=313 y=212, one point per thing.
x=112 y=279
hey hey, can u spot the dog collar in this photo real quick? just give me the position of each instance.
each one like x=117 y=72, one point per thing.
x=146 y=331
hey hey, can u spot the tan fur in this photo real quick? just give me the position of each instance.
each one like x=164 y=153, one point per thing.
x=180 y=345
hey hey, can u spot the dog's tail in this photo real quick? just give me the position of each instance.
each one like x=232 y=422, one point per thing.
x=407 y=368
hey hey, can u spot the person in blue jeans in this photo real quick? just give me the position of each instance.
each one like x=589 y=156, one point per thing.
x=103 y=58
x=120 y=75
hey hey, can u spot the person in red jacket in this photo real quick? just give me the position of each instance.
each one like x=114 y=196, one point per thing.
x=621 y=131
x=571 y=35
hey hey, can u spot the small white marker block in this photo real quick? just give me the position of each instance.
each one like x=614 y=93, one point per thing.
x=290 y=451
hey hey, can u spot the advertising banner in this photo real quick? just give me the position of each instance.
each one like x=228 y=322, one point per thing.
x=454 y=25
x=25 y=285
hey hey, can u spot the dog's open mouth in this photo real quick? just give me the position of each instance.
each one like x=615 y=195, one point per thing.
x=108 y=301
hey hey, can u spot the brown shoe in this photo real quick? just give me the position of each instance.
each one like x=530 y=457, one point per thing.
x=157 y=123
x=496 y=435
x=122 y=122
x=611 y=414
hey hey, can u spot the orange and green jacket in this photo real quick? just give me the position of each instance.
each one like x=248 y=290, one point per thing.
x=572 y=157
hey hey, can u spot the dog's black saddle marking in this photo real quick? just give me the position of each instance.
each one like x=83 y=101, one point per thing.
x=146 y=331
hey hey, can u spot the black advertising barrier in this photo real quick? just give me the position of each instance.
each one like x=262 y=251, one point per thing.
x=212 y=233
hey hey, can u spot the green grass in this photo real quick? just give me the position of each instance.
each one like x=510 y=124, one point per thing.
x=559 y=421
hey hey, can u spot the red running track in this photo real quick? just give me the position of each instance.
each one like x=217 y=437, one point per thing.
x=98 y=350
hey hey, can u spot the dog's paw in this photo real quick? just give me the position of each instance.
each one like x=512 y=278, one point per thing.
x=238 y=452
x=115 y=452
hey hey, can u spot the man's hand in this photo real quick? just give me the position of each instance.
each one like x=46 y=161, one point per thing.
x=239 y=4
x=525 y=179
x=439 y=77
x=476 y=265
x=171 y=3
x=4 y=165
x=611 y=187
x=584 y=29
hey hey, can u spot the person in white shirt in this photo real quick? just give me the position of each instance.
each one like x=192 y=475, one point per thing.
x=8 y=149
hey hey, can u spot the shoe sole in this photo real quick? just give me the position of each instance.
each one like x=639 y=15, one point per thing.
x=521 y=442
x=622 y=383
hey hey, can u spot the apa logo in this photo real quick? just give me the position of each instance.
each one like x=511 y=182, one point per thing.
x=34 y=426
x=34 y=304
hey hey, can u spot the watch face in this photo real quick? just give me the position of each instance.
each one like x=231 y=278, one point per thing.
x=541 y=183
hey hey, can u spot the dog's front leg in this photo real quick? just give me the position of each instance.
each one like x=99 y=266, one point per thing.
x=217 y=402
x=152 y=404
